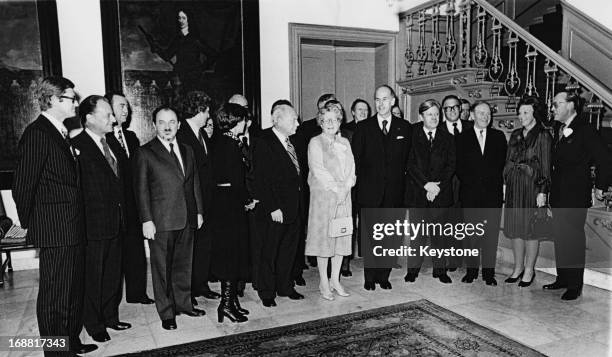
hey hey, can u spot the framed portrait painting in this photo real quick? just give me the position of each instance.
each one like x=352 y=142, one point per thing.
x=29 y=51
x=156 y=51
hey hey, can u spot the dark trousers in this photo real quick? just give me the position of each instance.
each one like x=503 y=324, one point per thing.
x=277 y=258
x=59 y=306
x=171 y=257
x=570 y=245
x=437 y=241
x=257 y=230
x=200 y=269
x=487 y=244
x=134 y=263
x=102 y=284
x=300 y=252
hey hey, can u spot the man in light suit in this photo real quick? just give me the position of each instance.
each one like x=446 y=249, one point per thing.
x=195 y=108
x=481 y=156
x=170 y=205
x=278 y=186
x=576 y=147
x=124 y=143
x=103 y=198
x=47 y=194
x=381 y=145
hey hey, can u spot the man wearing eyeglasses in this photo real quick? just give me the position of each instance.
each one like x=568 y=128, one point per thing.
x=576 y=147
x=48 y=197
x=452 y=107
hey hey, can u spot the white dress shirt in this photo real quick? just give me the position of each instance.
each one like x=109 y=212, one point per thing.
x=57 y=124
x=482 y=139
x=175 y=148
x=121 y=140
x=451 y=128
x=380 y=122
x=96 y=138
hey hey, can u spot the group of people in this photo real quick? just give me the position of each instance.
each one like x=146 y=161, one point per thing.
x=218 y=199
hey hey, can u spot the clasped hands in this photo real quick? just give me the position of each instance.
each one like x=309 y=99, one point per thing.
x=433 y=189
x=148 y=228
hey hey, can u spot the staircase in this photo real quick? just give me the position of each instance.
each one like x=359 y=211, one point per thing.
x=472 y=49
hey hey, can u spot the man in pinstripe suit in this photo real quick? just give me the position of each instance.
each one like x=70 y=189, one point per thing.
x=47 y=194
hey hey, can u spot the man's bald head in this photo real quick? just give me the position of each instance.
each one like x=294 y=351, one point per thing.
x=239 y=99
x=284 y=119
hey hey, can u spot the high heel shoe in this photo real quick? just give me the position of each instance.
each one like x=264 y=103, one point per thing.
x=339 y=289
x=226 y=306
x=511 y=280
x=524 y=284
x=327 y=295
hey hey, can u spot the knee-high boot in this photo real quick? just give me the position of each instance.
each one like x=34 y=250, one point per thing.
x=226 y=307
x=236 y=303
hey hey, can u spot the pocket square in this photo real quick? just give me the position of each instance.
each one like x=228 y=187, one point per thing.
x=399 y=137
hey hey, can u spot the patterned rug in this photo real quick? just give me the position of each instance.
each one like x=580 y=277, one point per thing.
x=418 y=328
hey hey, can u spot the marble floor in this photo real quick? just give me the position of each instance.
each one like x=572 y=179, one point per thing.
x=532 y=316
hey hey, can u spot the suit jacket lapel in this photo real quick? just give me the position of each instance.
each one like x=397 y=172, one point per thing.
x=167 y=157
x=46 y=125
x=280 y=148
x=186 y=162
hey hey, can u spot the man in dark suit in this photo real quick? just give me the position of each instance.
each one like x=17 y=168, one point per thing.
x=101 y=182
x=195 y=108
x=576 y=147
x=278 y=186
x=47 y=194
x=431 y=167
x=381 y=145
x=454 y=125
x=169 y=201
x=481 y=156
x=124 y=144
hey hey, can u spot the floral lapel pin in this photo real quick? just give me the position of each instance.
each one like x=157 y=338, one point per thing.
x=567 y=132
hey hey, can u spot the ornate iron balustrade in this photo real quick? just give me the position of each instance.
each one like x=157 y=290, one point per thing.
x=505 y=56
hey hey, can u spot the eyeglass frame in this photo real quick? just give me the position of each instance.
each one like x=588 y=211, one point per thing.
x=73 y=99
x=456 y=107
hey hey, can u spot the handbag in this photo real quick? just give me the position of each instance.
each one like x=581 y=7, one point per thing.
x=340 y=226
x=541 y=223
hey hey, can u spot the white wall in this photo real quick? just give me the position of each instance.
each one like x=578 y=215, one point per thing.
x=599 y=10
x=274 y=19
x=80 y=32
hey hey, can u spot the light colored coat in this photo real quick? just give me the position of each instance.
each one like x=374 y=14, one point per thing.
x=331 y=176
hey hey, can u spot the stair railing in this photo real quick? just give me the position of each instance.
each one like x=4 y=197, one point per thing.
x=474 y=32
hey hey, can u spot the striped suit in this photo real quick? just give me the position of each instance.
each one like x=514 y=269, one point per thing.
x=48 y=199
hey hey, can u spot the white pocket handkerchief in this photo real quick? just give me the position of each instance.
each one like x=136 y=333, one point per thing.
x=399 y=137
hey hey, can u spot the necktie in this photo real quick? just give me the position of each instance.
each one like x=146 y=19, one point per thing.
x=481 y=140
x=120 y=139
x=561 y=132
x=384 y=128
x=430 y=134
x=292 y=155
x=107 y=155
x=455 y=130
x=176 y=159
x=202 y=141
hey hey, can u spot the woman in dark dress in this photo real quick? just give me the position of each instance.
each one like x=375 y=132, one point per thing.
x=527 y=177
x=230 y=255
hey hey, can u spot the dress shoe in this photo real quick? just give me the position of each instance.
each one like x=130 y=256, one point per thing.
x=326 y=293
x=442 y=276
x=410 y=278
x=120 y=326
x=571 y=294
x=385 y=285
x=299 y=281
x=511 y=280
x=369 y=286
x=81 y=349
x=490 y=281
x=209 y=294
x=346 y=273
x=268 y=302
x=101 y=336
x=524 y=284
x=554 y=286
x=169 y=324
x=195 y=312
x=145 y=301
x=294 y=295
x=470 y=276
x=451 y=269
x=338 y=288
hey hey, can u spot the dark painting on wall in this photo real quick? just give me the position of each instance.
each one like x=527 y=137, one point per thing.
x=29 y=50
x=156 y=51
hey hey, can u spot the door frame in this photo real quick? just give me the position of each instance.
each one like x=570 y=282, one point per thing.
x=298 y=32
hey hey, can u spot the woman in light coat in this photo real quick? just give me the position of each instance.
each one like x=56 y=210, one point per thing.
x=331 y=176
